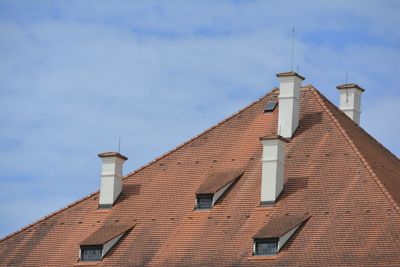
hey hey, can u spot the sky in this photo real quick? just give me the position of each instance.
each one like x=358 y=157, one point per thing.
x=75 y=76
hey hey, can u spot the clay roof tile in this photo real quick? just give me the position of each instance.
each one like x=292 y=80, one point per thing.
x=278 y=226
x=106 y=233
x=216 y=180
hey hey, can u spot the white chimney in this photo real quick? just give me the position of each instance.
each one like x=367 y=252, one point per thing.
x=273 y=166
x=289 y=102
x=350 y=100
x=111 y=178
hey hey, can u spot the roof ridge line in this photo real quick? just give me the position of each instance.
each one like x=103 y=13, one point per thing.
x=200 y=134
x=375 y=177
x=139 y=169
x=48 y=216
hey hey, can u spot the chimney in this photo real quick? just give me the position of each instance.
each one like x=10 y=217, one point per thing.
x=111 y=178
x=289 y=102
x=350 y=100
x=273 y=163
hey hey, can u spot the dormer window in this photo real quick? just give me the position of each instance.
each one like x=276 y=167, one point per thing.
x=266 y=246
x=214 y=186
x=96 y=246
x=274 y=235
x=204 y=201
x=91 y=253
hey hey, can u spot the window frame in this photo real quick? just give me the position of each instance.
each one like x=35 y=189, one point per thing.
x=204 y=196
x=259 y=241
x=91 y=247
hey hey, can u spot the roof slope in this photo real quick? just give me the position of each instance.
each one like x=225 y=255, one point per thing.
x=106 y=233
x=334 y=172
x=383 y=165
x=216 y=180
x=281 y=225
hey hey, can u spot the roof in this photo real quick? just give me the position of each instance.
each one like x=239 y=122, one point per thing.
x=216 y=180
x=106 y=233
x=334 y=171
x=279 y=226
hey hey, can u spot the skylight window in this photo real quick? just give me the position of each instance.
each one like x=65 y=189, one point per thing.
x=270 y=106
x=214 y=186
x=96 y=246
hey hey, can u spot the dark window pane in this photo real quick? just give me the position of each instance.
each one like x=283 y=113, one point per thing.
x=266 y=247
x=91 y=253
x=204 y=202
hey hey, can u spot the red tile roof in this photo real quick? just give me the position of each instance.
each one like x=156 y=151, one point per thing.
x=334 y=171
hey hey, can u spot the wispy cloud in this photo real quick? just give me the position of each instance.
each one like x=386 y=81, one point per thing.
x=76 y=75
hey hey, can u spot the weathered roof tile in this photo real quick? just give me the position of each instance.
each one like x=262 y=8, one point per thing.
x=106 y=233
x=216 y=180
x=279 y=226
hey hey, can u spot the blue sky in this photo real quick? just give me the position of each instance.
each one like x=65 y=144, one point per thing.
x=77 y=75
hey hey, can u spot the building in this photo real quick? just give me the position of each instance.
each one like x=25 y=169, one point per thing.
x=290 y=180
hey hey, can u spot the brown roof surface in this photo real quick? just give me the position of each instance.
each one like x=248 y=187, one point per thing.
x=334 y=171
x=382 y=165
x=279 y=226
x=216 y=180
x=106 y=233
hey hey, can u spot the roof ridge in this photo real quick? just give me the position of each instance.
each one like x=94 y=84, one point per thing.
x=48 y=216
x=142 y=167
x=375 y=177
x=202 y=133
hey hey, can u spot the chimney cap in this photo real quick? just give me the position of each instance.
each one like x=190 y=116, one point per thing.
x=289 y=74
x=274 y=136
x=112 y=154
x=349 y=86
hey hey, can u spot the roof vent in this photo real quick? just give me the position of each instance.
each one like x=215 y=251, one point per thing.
x=111 y=178
x=350 y=100
x=289 y=102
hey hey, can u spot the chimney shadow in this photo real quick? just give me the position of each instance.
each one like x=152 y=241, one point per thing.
x=293 y=185
x=308 y=121
x=128 y=191
x=131 y=189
